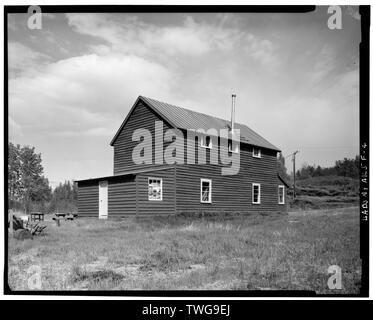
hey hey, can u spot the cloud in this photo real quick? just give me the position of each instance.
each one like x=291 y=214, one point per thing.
x=324 y=63
x=320 y=126
x=133 y=36
x=23 y=59
x=190 y=38
x=92 y=132
x=262 y=50
x=86 y=95
x=346 y=88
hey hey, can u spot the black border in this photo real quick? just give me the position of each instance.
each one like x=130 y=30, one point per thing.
x=364 y=136
x=239 y=309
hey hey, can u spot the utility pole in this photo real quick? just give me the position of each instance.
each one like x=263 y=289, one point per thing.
x=293 y=159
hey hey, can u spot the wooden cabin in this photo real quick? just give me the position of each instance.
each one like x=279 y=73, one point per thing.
x=160 y=186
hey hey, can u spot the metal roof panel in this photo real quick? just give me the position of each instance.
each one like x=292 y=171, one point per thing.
x=187 y=119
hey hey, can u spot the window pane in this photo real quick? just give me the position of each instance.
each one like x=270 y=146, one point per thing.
x=155 y=189
x=233 y=147
x=208 y=140
x=281 y=194
x=205 y=191
x=255 y=193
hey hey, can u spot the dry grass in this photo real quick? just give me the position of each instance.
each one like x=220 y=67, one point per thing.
x=240 y=253
x=325 y=192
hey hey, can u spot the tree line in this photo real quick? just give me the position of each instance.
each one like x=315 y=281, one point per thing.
x=345 y=168
x=29 y=189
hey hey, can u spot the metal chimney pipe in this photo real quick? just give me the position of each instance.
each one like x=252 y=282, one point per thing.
x=233 y=111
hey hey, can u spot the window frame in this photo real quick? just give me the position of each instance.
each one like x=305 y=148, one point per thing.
x=230 y=147
x=203 y=142
x=259 y=153
x=281 y=186
x=259 y=193
x=210 y=193
x=156 y=178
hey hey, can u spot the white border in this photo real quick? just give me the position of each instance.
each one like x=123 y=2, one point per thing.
x=252 y=193
x=210 y=193
x=259 y=153
x=173 y=2
x=281 y=186
x=155 y=178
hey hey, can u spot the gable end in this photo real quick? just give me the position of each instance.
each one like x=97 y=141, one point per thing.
x=140 y=98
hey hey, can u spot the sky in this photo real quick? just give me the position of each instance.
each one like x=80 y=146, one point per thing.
x=72 y=83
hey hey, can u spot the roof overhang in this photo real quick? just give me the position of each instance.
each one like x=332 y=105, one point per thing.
x=129 y=173
x=283 y=181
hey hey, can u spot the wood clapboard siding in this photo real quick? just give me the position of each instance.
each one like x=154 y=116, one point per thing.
x=282 y=207
x=128 y=195
x=122 y=196
x=88 y=199
x=142 y=117
x=149 y=207
x=230 y=192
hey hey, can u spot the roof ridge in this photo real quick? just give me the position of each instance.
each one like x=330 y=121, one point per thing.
x=205 y=114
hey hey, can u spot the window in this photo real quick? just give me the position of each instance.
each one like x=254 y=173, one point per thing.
x=206 y=142
x=235 y=149
x=257 y=153
x=206 y=190
x=256 y=193
x=281 y=195
x=155 y=189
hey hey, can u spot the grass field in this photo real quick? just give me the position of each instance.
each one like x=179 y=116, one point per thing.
x=326 y=192
x=290 y=251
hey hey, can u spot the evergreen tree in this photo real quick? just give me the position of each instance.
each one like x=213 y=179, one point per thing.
x=64 y=198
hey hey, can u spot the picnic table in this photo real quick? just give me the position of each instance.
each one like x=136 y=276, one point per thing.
x=58 y=216
x=66 y=215
x=37 y=216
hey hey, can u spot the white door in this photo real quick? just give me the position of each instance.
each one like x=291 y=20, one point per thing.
x=102 y=198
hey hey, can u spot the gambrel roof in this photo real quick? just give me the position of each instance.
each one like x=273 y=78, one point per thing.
x=182 y=118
